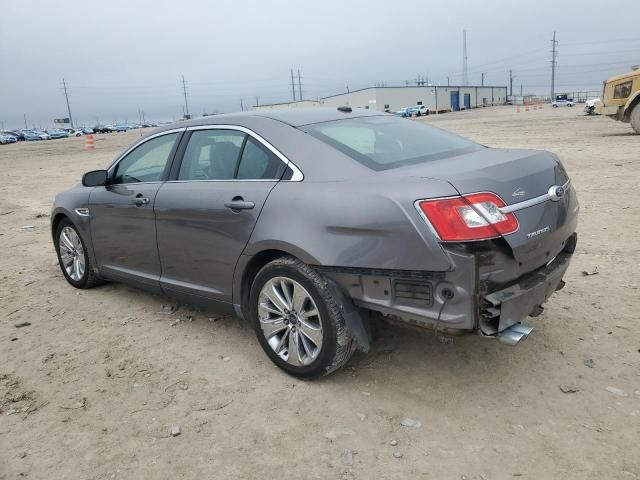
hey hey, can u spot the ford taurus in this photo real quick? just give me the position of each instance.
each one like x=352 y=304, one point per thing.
x=310 y=222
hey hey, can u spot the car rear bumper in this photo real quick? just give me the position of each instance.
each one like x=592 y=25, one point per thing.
x=467 y=299
x=514 y=303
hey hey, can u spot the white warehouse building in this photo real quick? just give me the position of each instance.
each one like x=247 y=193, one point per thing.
x=392 y=99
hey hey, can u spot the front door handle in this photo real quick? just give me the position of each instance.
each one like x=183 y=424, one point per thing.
x=238 y=204
x=140 y=200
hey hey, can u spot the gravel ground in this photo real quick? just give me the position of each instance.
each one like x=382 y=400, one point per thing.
x=107 y=383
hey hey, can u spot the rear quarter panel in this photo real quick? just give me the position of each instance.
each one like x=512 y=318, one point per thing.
x=364 y=223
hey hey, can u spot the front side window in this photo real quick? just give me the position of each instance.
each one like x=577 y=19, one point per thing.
x=387 y=142
x=623 y=90
x=147 y=162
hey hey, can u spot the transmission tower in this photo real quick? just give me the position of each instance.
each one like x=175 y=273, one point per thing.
x=554 y=55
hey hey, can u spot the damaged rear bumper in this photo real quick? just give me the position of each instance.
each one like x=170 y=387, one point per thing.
x=512 y=304
x=487 y=291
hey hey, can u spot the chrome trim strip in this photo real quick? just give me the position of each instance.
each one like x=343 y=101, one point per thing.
x=297 y=174
x=531 y=202
x=83 y=212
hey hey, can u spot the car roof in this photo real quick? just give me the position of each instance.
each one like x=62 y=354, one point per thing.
x=293 y=117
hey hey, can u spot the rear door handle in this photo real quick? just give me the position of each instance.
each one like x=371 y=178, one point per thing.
x=238 y=205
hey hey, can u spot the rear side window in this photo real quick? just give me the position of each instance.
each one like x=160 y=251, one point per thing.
x=383 y=142
x=258 y=162
x=228 y=155
x=211 y=155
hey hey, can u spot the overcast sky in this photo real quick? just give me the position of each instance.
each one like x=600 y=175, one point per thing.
x=121 y=56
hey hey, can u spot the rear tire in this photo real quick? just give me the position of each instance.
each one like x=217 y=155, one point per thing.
x=634 y=118
x=73 y=257
x=297 y=320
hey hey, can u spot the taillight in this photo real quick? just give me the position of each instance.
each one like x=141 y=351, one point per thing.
x=469 y=217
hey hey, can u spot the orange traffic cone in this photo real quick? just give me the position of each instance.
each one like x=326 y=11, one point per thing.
x=89 y=143
x=526 y=108
x=518 y=109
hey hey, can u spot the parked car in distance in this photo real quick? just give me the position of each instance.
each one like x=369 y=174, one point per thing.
x=55 y=133
x=87 y=130
x=74 y=132
x=367 y=217
x=403 y=112
x=120 y=128
x=43 y=135
x=563 y=100
x=419 y=110
x=590 y=106
x=31 y=136
x=15 y=133
x=6 y=138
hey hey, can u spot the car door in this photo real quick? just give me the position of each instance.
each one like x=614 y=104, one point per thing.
x=206 y=214
x=123 y=227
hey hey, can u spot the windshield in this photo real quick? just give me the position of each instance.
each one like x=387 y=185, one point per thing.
x=384 y=142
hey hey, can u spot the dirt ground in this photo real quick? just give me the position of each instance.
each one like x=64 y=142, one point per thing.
x=90 y=388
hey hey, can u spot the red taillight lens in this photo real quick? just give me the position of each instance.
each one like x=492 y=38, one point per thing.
x=470 y=217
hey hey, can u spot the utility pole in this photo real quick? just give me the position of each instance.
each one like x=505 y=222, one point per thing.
x=66 y=95
x=299 y=86
x=465 y=76
x=25 y=121
x=554 y=54
x=521 y=90
x=293 y=86
x=482 y=81
x=257 y=101
x=511 y=83
x=241 y=106
x=448 y=83
x=186 y=103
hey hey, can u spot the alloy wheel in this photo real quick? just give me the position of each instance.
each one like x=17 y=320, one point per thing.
x=290 y=321
x=72 y=253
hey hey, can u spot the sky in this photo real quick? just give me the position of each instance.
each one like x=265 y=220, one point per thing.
x=121 y=57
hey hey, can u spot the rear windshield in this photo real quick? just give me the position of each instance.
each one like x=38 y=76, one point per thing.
x=384 y=142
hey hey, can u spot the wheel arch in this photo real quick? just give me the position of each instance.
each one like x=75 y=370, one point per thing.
x=631 y=104
x=56 y=218
x=247 y=269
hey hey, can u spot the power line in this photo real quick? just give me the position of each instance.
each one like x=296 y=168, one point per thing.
x=66 y=96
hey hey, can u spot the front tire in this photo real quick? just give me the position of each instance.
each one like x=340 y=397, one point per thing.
x=73 y=257
x=634 y=118
x=297 y=320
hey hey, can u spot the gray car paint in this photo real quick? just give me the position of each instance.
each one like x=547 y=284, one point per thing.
x=357 y=226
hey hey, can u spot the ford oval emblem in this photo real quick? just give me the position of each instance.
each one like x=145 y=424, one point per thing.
x=556 y=193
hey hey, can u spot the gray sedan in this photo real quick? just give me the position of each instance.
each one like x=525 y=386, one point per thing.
x=311 y=223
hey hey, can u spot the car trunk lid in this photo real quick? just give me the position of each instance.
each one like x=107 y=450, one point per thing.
x=521 y=178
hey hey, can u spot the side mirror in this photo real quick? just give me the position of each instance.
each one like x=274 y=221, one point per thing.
x=95 y=178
